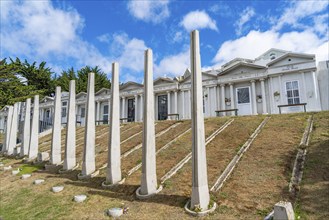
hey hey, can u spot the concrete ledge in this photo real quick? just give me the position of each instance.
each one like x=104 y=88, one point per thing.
x=107 y=186
x=202 y=213
x=84 y=177
x=62 y=171
x=141 y=196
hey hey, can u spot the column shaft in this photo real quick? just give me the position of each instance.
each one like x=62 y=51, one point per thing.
x=27 y=129
x=55 y=156
x=263 y=96
x=253 y=100
x=34 y=138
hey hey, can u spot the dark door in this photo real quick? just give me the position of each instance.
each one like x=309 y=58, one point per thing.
x=131 y=110
x=162 y=107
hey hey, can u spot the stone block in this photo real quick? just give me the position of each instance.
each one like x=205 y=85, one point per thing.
x=43 y=156
x=283 y=211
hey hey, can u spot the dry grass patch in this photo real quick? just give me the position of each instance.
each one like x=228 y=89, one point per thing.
x=313 y=202
x=262 y=176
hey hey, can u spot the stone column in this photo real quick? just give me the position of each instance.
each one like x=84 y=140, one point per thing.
x=189 y=103
x=34 y=139
x=168 y=101
x=123 y=107
x=148 y=178
x=98 y=110
x=175 y=102
x=262 y=84
x=70 y=141
x=183 y=104
x=55 y=156
x=253 y=99
x=232 y=97
x=222 y=87
x=136 y=108
x=113 y=175
x=208 y=102
x=88 y=164
x=200 y=191
x=141 y=107
x=27 y=129
x=13 y=130
x=8 y=128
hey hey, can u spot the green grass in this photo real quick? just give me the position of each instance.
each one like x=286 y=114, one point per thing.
x=28 y=168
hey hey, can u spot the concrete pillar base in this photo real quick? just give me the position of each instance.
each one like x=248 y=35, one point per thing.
x=199 y=213
x=110 y=185
x=52 y=167
x=84 y=177
x=62 y=171
x=141 y=196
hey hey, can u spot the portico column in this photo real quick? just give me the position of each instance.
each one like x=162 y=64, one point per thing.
x=34 y=138
x=222 y=87
x=175 y=102
x=253 y=93
x=168 y=101
x=13 y=131
x=141 y=107
x=232 y=96
x=97 y=110
x=8 y=128
x=189 y=103
x=208 y=102
x=136 y=108
x=183 y=104
x=263 y=96
x=123 y=107
x=27 y=128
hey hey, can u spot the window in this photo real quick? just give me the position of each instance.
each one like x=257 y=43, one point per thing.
x=63 y=112
x=83 y=112
x=292 y=92
x=272 y=56
x=105 y=114
x=64 y=103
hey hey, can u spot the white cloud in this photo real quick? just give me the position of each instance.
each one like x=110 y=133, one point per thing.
x=299 y=10
x=104 y=38
x=38 y=31
x=149 y=11
x=256 y=43
x=198 y=20
x=245 y=16
x=173 y=65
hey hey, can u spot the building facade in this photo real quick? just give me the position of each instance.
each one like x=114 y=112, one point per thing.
x=253 y=87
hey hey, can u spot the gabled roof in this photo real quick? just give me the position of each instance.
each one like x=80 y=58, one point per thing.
x=46 y=98
x=165 y=79
x=127 y=84
x=103 y=90
x=272 y=50
x=81 y=94
x=290 y=54
x=241 y=64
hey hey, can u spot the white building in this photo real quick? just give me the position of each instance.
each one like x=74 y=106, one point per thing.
x=257 y=86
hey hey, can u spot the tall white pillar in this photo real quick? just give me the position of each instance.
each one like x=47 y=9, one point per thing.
x=98 y=110
x=13 y=131
x=88 y=165
x=8 y=127
x=262 y=84
x=232 y=96
x=169 y=102
x=70 y=141
x=148 y=178
x=253 y=100
x=208 y=103
x=55 y=156
x=34 y=139
x=175 y=102
x=113 y=174
x=189 y=97
x=136 y=108
x=141 y=107
x=27 y=129
x=222 y=87
x=200 y=192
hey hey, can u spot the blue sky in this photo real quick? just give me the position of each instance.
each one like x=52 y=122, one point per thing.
x=78 y=33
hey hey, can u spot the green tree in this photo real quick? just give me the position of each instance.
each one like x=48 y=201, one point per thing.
x=81 y=77
x=14 y=86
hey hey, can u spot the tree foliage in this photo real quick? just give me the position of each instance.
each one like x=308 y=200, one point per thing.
x=81 y=77
x=20 y=80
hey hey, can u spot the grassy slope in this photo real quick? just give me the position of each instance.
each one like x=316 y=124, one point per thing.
x=247 y=194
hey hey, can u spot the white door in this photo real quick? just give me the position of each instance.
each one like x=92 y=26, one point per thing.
x=243 y=100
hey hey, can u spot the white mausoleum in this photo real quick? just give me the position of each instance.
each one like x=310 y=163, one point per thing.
x=259 y=86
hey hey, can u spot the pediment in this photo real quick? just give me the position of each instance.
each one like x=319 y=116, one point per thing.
x=47 y=99
x=291 y=58
x=131 y=86
x=103 y=91
x=81 y=95
x=163 y=80
x=241 y=68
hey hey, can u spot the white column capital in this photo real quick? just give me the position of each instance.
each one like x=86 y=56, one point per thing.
x=262 y=79
x=252 y=81
x=231 y=84
x=222 y=85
